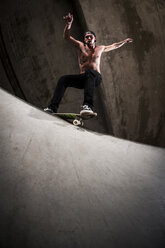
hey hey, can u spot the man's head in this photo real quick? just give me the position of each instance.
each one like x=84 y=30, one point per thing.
x=89 y=37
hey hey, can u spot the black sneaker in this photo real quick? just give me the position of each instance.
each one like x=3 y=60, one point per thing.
x=86 y=110
x=49 y=110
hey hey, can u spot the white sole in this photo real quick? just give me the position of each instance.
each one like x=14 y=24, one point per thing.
x=86 y=112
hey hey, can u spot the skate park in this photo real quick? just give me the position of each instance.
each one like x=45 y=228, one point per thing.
x=98 y=186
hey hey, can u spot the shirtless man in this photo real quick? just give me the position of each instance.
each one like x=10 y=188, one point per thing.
x=89 y=56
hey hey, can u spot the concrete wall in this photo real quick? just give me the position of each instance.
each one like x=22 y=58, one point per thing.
x=35 y=54
x=133 y=76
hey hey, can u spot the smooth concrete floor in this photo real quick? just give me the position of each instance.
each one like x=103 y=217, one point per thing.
x=66 y=187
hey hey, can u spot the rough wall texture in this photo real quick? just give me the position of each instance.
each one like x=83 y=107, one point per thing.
x=133 y=76
x=32 y=37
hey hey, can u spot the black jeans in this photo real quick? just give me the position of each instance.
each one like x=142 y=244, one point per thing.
x=87 y=81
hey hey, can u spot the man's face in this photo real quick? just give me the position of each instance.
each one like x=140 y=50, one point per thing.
x=89 y=38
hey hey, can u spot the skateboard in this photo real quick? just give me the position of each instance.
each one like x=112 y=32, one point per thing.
x=77 y=119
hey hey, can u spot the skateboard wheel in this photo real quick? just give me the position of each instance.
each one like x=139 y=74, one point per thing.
x=76 y=122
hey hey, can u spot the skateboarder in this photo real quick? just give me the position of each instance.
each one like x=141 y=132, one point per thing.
x=89 y=56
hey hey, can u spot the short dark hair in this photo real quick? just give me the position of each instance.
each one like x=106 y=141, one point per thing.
x=89 y=31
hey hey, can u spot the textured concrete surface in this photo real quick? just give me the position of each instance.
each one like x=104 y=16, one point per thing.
x=63 y=186
x=133 y=76
x=34 y=55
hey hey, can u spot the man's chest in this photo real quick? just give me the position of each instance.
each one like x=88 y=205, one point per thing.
x=89 y=54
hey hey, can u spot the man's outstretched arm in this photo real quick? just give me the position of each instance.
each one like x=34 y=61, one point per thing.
x=67 y=36
x=117 y=45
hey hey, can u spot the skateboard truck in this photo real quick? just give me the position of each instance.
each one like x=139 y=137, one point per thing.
x=77 y=122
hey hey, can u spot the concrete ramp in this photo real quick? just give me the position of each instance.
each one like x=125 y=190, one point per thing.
x=66 y=187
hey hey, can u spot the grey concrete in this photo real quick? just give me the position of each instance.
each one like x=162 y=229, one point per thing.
x=35 y=55
x=133 y=86
x=63 y=186
x=133 y=76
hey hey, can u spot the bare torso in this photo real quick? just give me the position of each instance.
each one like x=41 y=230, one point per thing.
x=89 y=58
x=89 y=54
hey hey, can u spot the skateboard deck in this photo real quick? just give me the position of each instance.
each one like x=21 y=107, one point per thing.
x=77 y=118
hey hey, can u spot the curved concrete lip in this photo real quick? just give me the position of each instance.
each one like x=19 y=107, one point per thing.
x=64 y=186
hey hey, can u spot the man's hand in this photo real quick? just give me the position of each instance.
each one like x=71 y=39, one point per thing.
x=128 y=40
x=69 y=19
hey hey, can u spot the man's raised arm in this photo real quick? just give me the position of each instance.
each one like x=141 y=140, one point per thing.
x=117 y=45
x=67 y=36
